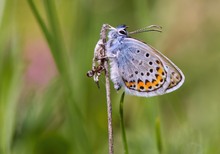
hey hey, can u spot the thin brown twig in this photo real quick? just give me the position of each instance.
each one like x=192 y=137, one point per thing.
x=108 y=98
x=109 y=109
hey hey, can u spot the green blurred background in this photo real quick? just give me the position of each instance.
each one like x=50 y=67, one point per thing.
x=48 y=105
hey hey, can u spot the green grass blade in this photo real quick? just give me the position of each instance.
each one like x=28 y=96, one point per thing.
x=39 y=20
x=52 y=34
x=57 y=45
x=122 y=124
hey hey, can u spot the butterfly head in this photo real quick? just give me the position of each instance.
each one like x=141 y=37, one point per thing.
x=119 y=31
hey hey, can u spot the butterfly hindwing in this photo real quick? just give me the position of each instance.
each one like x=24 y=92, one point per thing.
x=145 y=71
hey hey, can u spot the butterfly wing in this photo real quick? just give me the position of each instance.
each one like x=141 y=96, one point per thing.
x=145 y=71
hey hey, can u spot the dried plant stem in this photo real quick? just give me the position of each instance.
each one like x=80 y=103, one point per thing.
x=108 y=98
x=109 y=109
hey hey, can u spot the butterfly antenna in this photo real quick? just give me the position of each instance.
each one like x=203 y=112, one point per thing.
x=148 y=29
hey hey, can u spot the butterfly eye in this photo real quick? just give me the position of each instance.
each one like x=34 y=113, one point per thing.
x=122 y=32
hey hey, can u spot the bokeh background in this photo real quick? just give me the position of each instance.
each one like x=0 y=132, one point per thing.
x=49 y=105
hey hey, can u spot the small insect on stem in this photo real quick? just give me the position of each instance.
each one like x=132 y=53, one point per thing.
x=99 y=56
x=96 y=73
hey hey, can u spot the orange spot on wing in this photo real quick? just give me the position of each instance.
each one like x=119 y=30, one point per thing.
x=154 y=83
x=160 y=71
x=147 y=85
x=159 y=78
x=127 y=84
x=131 y=84
x=140 y=84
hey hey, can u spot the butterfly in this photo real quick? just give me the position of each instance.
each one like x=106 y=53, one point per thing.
x=139 y=68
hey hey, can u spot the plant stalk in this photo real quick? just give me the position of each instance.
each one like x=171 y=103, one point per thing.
x=122 y=124
x=108 y=98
